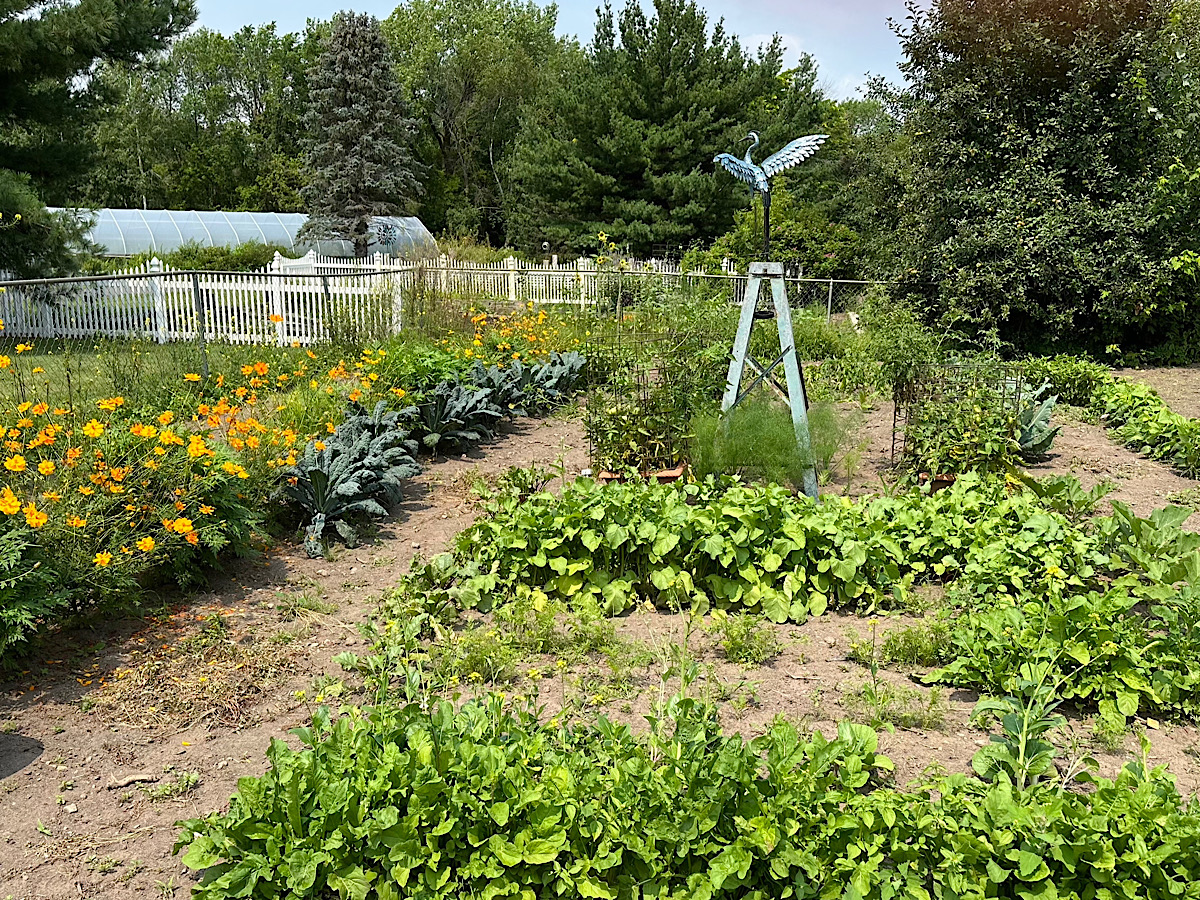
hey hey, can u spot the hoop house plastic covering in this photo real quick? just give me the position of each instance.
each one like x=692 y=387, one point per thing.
x=125 y=232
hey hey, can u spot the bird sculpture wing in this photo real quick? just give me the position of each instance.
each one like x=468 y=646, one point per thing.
x=795 y=152
x=737 y=168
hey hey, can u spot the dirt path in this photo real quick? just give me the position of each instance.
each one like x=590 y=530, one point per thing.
x=1088 y=452
x=74 y=736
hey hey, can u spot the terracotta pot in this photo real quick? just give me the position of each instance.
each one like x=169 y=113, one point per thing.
x=661 y=475
x=937 y=482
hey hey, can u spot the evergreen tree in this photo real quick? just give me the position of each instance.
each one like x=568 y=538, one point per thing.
x=623 y=142
x=360 y=162
x=48 y=99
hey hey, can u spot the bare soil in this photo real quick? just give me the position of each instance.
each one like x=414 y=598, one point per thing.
x=103 y=735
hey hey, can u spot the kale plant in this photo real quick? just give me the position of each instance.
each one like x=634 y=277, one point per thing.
x=1034 y=432
x=454 y=416
x=360 y=469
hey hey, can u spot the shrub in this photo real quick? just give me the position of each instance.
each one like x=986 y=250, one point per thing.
x=92 y=510
x=1073 y=378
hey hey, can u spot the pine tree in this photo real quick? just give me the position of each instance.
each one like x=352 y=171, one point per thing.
x=360 y=162
x=624 y=141
x=48 y=100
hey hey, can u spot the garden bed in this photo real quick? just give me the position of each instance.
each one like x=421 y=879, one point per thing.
x=116 y=731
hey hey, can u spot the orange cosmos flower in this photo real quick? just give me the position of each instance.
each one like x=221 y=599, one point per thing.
x=34 y=517
x=9 y=504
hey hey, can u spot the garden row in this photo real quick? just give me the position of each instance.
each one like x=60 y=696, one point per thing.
x=105 y=497
x=1038 y=586
x=415 y=798
x=1138 y=415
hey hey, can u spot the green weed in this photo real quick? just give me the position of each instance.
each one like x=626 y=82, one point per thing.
x=745 y=638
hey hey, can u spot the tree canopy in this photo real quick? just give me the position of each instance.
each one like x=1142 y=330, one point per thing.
x=1040 y=133
x=467 y=70
x=623 y=139
x=48 y=100
x=216 y=123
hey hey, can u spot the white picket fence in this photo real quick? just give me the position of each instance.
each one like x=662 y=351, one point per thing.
x=153 y=301
x=547 y=281
x=305 y=301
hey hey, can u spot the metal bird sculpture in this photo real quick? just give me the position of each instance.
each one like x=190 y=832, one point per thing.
x=759 y=176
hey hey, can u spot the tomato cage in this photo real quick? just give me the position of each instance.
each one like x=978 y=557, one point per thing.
x=642 y=391
x=958 y=401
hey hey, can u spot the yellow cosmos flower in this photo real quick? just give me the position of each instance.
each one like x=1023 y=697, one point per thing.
x=93 y=429
x=15 y=463
x=191 y=376
x=146 y=544
x=46 y=467
x=102 y=559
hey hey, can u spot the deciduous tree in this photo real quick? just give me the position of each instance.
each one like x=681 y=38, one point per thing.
x=1041 y=130
x=467 y=70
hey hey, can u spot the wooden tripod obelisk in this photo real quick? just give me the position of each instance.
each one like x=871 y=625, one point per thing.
x=771 y=275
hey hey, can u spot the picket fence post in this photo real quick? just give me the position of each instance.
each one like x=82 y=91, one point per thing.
x=275 y=298
x=511 y=263
x=160 y=302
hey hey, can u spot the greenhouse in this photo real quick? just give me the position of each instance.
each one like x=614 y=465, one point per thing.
x=127 y=232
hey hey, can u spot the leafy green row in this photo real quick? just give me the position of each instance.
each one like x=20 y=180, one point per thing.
x=423 y=800
x=1143 y=421
x=757 y=547
x=1127 y=647
x=1139 y=416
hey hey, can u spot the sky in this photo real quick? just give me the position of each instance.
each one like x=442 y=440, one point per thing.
x=848 y=38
